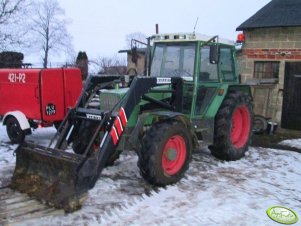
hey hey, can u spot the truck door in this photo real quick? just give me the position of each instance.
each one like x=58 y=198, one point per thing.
x=52 y=95
x=72 y=86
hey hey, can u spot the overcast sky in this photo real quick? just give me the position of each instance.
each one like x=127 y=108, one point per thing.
x=99 y=27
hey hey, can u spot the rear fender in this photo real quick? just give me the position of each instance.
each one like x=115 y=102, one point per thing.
x=208 y=121
x=147 y=119
x=24 y=124
x=243 y=88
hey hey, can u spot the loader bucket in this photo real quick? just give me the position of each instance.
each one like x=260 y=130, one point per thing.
x=50 y=175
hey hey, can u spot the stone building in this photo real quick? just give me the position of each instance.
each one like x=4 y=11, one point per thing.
x=270 y=61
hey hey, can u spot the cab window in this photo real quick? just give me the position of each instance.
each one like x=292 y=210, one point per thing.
x=226 y=64
x=173 y=60
x=208 y=71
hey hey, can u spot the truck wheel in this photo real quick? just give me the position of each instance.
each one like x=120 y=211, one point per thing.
x=165 y=153
x=14 y=131
x=233 y=127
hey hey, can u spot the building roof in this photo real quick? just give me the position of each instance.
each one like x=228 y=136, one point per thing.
x=277 y=13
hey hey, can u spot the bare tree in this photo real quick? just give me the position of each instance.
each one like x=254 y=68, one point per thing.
x=50 y=31
x=12 y=23
x=136 y=35
x=110 y=65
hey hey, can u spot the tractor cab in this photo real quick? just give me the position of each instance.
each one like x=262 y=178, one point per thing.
x=193 y=57
x=206 y=65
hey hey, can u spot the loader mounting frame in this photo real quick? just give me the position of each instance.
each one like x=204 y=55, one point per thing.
x=76 y=174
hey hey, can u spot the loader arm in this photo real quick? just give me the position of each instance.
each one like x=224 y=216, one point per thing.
x=116 y=122
x=62 y=178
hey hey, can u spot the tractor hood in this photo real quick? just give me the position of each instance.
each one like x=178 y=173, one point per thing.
x=110 y=97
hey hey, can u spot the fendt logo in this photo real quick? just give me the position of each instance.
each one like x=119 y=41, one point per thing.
x=163 y=80
x=95 y=117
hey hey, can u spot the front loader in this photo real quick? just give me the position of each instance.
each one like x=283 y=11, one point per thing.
x=192 y=93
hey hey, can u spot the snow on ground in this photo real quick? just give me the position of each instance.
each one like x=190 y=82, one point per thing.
x=296 y=143
x=212 y=193
x=7 y=160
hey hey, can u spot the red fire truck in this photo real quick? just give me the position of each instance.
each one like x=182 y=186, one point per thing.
x=32 y=98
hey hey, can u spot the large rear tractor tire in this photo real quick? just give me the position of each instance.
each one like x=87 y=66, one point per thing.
x=165 y=153
x=14 y=131
x=233 y=127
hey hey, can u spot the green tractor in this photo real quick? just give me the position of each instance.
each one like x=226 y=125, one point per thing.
x=191 y=93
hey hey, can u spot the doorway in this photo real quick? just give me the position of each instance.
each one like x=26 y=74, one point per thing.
x=291 y=108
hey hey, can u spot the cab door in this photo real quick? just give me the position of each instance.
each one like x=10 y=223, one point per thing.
x=213 y=79
x=208 y=82
x=205 y=91
x=226 y=64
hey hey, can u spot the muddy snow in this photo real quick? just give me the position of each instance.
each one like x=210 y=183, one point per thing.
x=213 y=192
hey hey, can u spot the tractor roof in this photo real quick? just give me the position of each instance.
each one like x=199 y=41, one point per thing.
x=180 y=37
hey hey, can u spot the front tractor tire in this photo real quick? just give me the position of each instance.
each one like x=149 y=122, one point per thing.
x=83 y=137
x=233 y=127
x=165 y=153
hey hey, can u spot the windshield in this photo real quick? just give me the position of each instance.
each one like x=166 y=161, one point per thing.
x=173 y=60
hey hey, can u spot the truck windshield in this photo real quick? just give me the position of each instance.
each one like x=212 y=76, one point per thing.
x=173 y=60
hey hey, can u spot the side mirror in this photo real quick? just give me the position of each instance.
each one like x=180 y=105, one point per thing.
x=214 y=54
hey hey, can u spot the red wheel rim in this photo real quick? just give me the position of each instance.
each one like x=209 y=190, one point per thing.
x=174 y=155
x=241 y=123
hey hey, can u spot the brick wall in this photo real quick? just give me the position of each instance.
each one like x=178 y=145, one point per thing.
x=273 y=38
x=269 y=44
x=273 y=54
